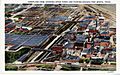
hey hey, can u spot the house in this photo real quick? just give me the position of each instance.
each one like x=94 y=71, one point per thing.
x=85 y=52
x=104 y=44
x=57 y=49
x=88 y=45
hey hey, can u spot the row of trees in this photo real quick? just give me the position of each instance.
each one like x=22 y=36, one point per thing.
x=11 y=67
x=13 y=56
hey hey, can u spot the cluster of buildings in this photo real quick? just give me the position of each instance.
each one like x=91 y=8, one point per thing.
x=82 y=35
x=91 y=38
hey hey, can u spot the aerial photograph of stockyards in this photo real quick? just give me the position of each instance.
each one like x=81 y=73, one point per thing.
x=60 y=37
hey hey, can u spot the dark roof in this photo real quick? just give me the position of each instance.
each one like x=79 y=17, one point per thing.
x=86 y=50
x=22 y=58
x=85 y=21
x=24 y=40
x=10 y=37
x=80 y=38
x=8 y=21
x=58 y=18
x=72 y=58
x=15 y=47
x=83 y=25
x=69 y=45
x=21 y=39
x=105 y=33
x=103 y=40
x=53 y=25
x=12 y=25
x=88 y=17
x=36 y=40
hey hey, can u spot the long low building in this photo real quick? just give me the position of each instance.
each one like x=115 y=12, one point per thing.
x=24 y=40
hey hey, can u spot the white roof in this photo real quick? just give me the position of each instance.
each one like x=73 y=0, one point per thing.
x=96 y=57
x=101 y=17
